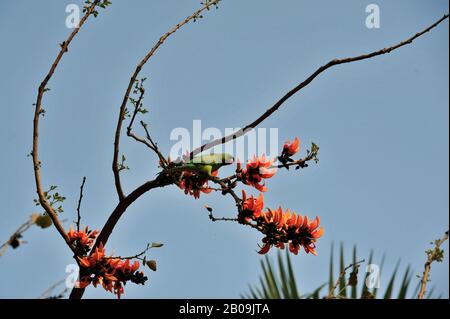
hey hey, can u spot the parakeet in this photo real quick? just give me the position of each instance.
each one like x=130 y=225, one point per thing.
x=205 y=164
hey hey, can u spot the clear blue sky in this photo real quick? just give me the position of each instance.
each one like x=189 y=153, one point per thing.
x=382 y=125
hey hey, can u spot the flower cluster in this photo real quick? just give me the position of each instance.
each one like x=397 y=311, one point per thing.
x=110 y=272
x=289 y=150
x=251 y=207
x=295 y=230
x=82 y=240
x=257 y=169
x=280 y=228
x=193 y=184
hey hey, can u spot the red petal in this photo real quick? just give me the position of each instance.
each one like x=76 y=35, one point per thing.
x=264 y=249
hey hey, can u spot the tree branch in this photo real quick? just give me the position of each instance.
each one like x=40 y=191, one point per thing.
x=79 y=204
x=117 y=213
x=49 y=290
x=14 y=239
x=147 y=142
x=435 y=254
x=161 y=181
x=37 y=113
x=133 y=78
x=303 y=84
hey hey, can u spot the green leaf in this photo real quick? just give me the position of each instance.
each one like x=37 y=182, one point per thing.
x=342 y=284
x=253 y=293
x=331 y=274
x=416 y=291
x=316 y=293
x=292 y=282
x=265 y=289
x=430 y=294
x=390 y=286
x=405 y=284
x=284 y=283
x=270 y=279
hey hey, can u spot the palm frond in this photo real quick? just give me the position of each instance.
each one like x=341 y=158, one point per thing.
x=278 y=279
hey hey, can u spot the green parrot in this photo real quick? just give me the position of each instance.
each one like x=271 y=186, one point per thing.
x=205 y=164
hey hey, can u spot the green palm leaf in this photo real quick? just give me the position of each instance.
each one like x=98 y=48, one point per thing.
x=281 y=283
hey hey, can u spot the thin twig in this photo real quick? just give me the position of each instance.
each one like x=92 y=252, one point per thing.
x=277 y=105
x=130 y=132
x=216 y=219
x=162 y=159
x=79 y=204
x=436 y=254
x=342 y=275
x=226 y=189
x=46 y=293
x=137 y=256
x=16 y=235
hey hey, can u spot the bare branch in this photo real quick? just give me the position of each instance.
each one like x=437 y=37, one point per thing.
x=14 y=239
x=280 y=102
x=137 y=256
x=216 y=219
x=49 y=290
x=138 y=69
x=435 y=254
x=37 y=113
x=162 y=159
x=149 y=142
x=161 y=181
x=79 y=204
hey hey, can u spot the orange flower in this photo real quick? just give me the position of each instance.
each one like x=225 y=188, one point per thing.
x=257 y=169
x=84 y=262
x=194 y=184
x=290 y=149
x=281 y=228
x=251 y=207
x=277 y=217
x=82 y=239
x=304 y=233
x=99 y=254
x=110 y=273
